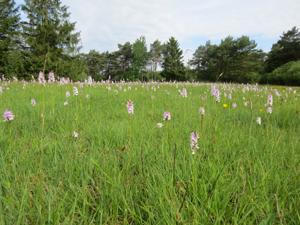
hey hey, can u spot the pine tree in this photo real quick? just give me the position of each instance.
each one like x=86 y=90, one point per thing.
x=173 y=68
x=122 y=61
x=236 y=60
x=9 y=37
x=50 y=37
x=97 y=64
x=285 y=50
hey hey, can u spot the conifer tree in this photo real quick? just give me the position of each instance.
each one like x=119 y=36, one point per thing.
x=9 y=37
x=173 y=68
x=51 y=39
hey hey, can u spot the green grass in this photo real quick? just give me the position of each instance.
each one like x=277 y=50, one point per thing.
x=122 y=169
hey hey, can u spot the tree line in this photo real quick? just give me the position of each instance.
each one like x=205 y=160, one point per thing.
x=46 y=41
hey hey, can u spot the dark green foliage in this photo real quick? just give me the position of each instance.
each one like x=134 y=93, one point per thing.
x=97 y=64
x=155 y=55
x=285 y=50
x=124 y=58
x=173 y=68
x=127 y=63
x=190 y=74
x=50 y=38
x=235 y=60
x=287 y=74
x=204 y=62
x=140 y=57
x=11 y=61
x=15 y=65
x=73 y=67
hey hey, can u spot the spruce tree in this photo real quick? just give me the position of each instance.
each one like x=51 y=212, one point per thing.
x=9 y=37
x=173 y=68
x=51 y=39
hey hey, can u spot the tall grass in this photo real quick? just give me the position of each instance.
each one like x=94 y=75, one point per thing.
x=123 y=169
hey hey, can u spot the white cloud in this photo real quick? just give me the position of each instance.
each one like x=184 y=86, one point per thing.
x=105 y=23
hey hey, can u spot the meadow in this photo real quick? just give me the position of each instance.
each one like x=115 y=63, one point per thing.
x=105 y=153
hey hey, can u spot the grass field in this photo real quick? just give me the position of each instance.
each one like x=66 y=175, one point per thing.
x=120 y=168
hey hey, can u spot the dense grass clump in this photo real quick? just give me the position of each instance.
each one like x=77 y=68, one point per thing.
x=124 y=169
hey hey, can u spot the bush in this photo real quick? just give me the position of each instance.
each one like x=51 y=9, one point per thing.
x=287 y=74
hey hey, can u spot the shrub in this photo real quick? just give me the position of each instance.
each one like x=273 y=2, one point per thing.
x=287 y=74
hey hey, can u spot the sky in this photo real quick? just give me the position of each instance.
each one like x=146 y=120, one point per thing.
x=105 y=23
